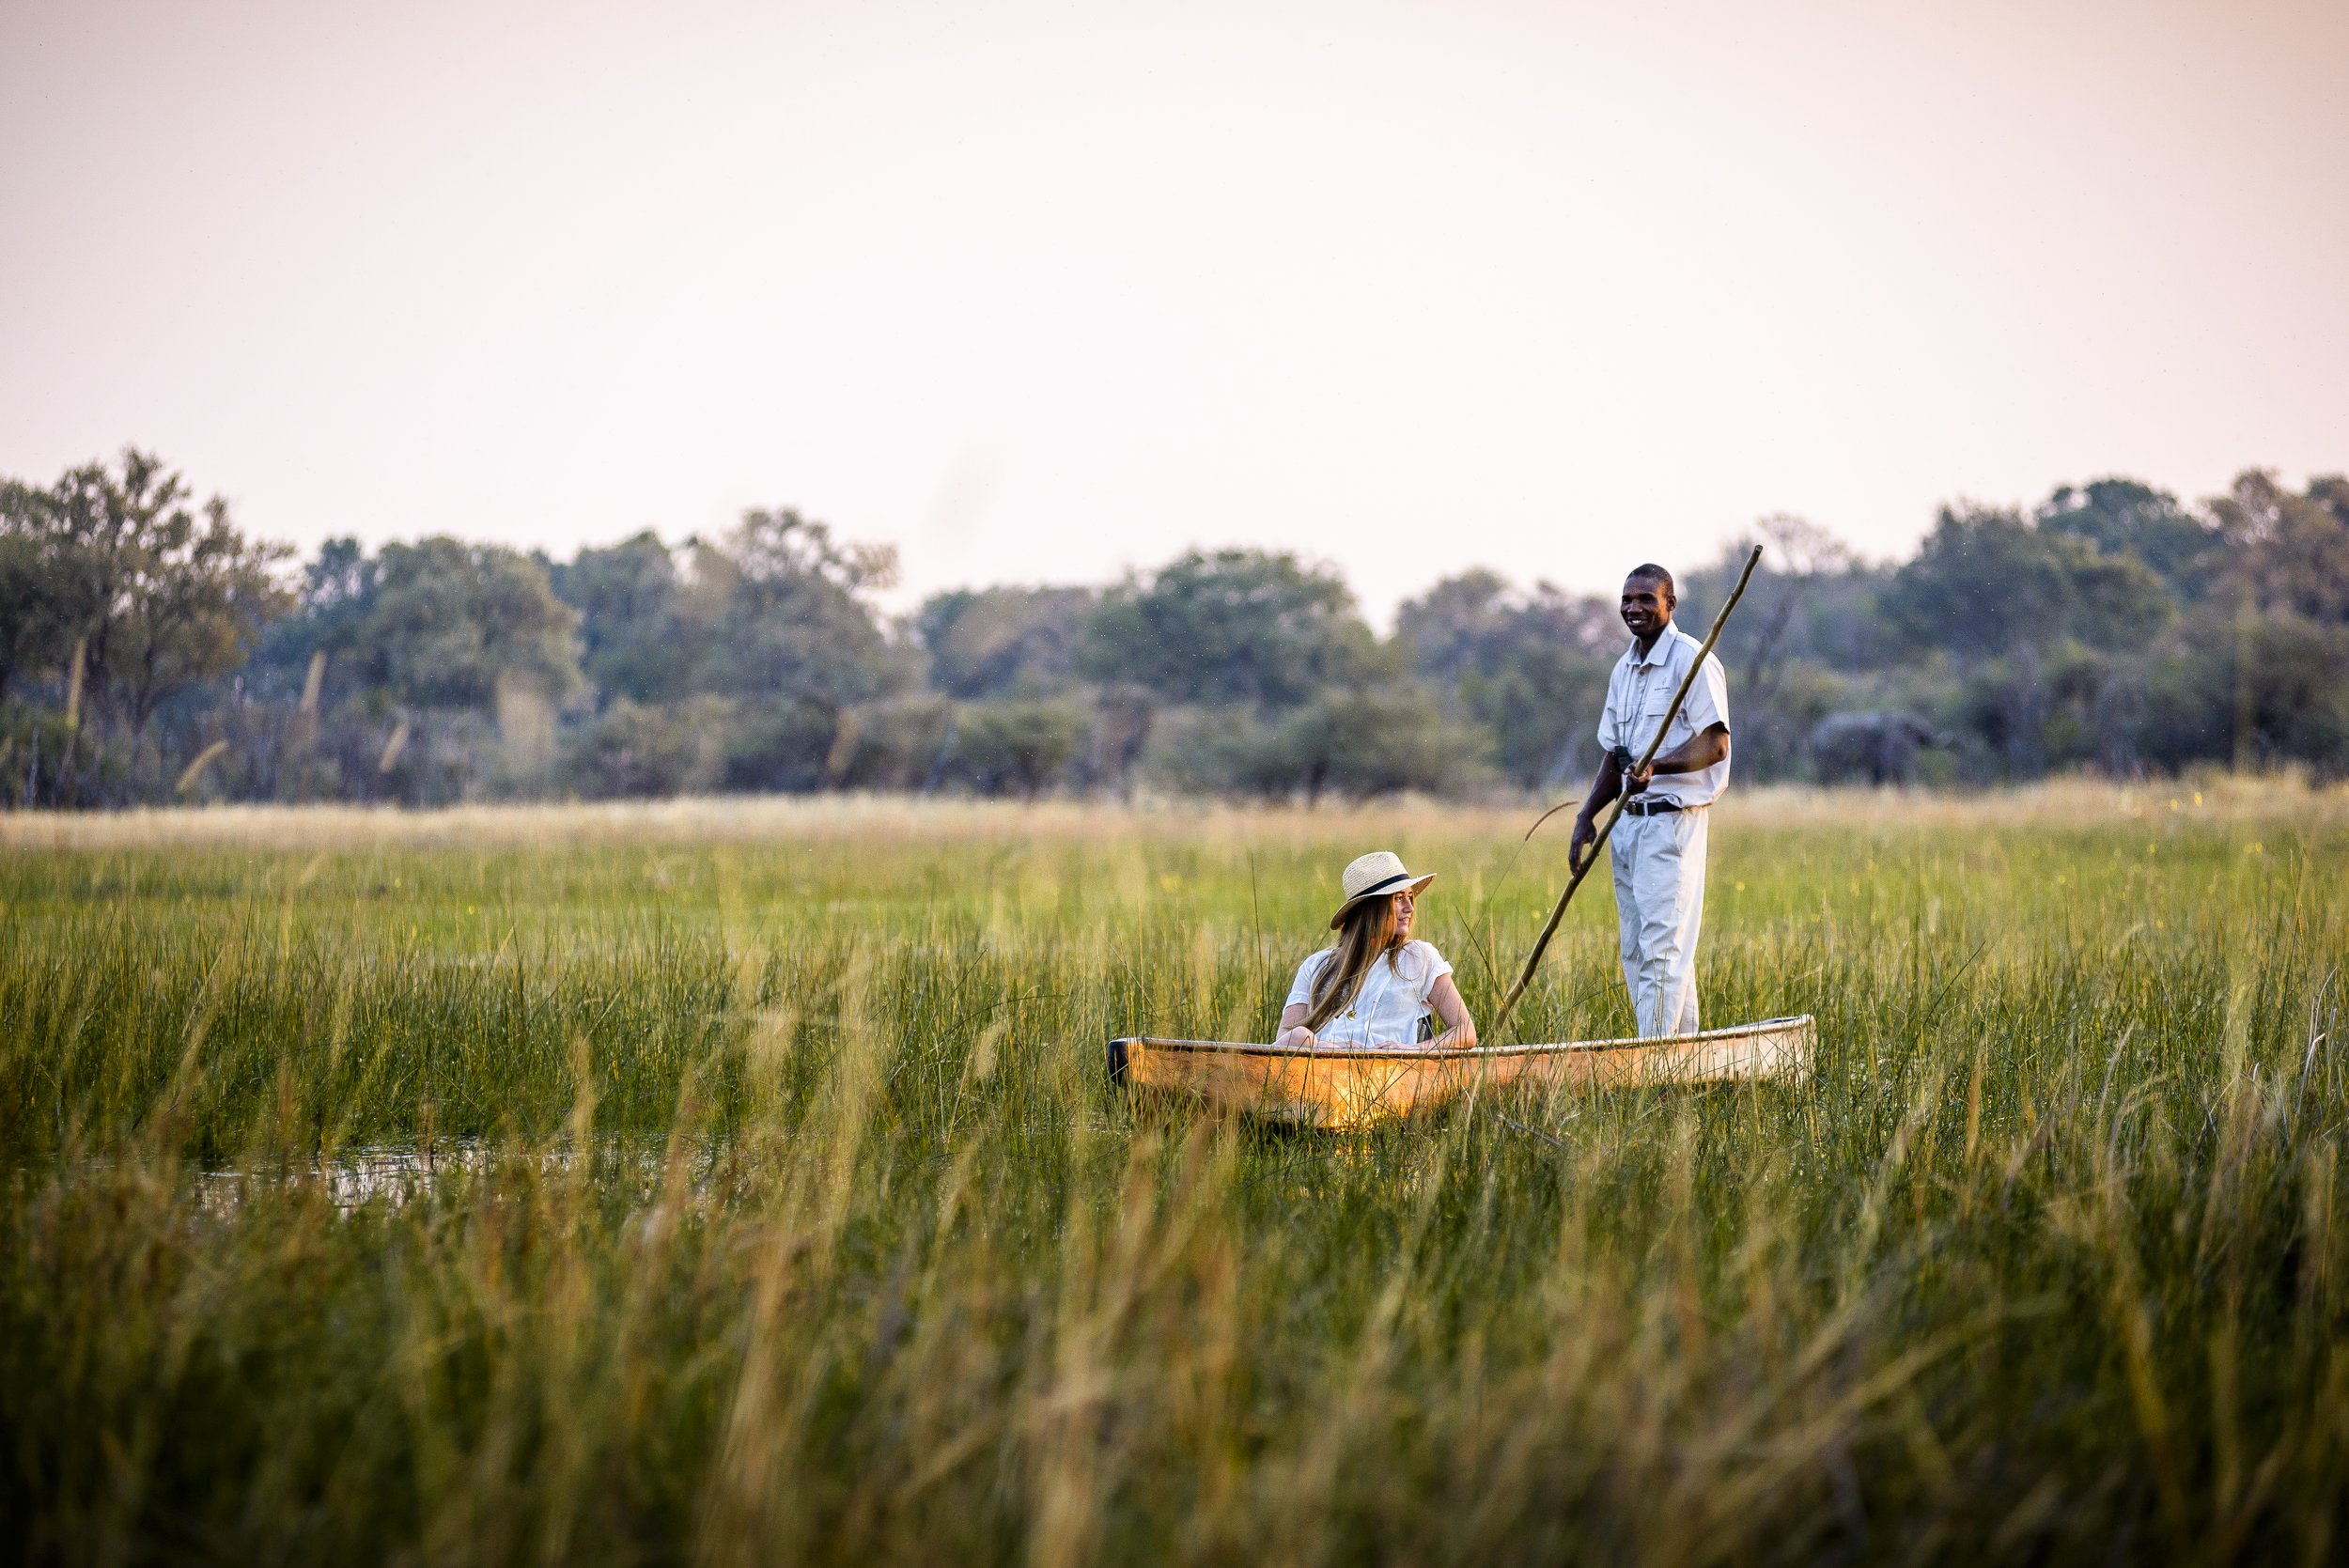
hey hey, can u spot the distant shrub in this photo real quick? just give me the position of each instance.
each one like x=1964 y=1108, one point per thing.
x=633 y=750
x=780 y=745
x=1016 y=748
x=901 y=743
x=1358 y=744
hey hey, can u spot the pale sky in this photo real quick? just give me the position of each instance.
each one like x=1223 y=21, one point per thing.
x=1038 y=293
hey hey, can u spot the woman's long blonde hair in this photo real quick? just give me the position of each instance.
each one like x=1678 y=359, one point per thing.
x=1367 y=932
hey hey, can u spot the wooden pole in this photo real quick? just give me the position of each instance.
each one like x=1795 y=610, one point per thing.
x=1614 y=808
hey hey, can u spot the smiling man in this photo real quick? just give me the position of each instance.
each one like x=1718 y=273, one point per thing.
x=1659 y=840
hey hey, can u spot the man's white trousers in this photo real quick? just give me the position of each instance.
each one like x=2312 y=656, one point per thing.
x=1660 y=902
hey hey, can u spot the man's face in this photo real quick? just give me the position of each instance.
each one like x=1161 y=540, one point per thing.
x=1647 y=609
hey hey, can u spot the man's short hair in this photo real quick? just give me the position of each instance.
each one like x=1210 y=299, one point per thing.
x=1655 y=573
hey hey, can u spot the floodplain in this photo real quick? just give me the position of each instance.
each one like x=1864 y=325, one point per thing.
x=739 y=1182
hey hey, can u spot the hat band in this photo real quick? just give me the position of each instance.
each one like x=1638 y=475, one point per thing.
x=1381 y=887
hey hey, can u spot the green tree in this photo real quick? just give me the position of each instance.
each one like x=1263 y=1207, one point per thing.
x=1238 y=626
x=1987 y=582
x=1477 y=622
x=1529 y=668
x=776 y=617
x=35 y=616
x=1811 y=599
x=1001 y=642
x=2288 y=553
x=903 y=743
x=333 y=601
x=788 y=632
x=632 y=751
x=1017 y=747
x=162 y=594
x=443 y=620
x=2270 y=689
x=1808 y=625
x=2125 y=518
x=633 y=641
x=2057 y=706
x=788 y=620
x=1357 y=743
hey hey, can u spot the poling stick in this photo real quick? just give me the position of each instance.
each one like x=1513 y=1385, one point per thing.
x=1615 y=807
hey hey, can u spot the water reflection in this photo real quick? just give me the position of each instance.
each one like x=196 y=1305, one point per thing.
x=366 y=1173
x=394 y=1174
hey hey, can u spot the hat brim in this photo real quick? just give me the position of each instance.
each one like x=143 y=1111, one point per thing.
x=1412 y=885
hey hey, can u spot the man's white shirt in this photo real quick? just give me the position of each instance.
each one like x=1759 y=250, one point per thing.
x=1639 y=692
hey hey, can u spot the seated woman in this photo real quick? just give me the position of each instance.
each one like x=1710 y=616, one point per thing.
x=1376 y=986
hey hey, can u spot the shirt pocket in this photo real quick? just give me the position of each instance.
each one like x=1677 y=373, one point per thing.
x=1653 y=705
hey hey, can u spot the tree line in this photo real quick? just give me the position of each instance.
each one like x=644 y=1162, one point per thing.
x=151 y=651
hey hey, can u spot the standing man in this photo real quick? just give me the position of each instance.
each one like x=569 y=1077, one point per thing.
x=1659 y=839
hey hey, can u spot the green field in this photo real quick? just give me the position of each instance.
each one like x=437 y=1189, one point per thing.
x=740 y=1182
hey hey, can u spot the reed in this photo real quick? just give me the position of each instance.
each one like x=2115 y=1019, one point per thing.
x=742 y=1186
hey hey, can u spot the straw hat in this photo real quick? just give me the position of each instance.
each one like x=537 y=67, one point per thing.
x=1379 y=874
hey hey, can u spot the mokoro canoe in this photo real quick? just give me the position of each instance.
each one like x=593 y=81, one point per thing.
x=1349 y=1086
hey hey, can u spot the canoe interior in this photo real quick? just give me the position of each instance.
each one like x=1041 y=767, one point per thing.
x=1344 y=1087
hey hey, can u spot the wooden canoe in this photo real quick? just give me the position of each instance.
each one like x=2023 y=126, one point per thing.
x=1350 y=1086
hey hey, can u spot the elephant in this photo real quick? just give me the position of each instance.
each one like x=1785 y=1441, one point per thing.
x=1879 y=745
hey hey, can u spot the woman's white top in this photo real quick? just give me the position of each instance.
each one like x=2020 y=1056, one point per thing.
x=1386 y=1008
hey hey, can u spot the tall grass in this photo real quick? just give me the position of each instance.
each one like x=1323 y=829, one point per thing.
x=591 y=1188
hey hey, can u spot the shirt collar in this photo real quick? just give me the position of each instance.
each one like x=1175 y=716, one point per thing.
x=1660 y=651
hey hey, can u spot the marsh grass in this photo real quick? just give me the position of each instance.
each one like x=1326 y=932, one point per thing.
x=746 y=1189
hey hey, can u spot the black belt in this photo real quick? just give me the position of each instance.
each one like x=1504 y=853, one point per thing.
x=1658 y=807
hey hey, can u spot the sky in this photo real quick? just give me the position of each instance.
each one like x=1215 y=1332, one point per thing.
x=1044 y=292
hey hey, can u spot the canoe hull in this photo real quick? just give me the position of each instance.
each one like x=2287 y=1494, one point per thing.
x=1346 y=1087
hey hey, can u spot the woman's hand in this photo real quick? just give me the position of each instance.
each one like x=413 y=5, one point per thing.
x=1298 y=1038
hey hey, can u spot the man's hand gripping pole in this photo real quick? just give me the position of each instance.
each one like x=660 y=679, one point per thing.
x=1614 y=808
